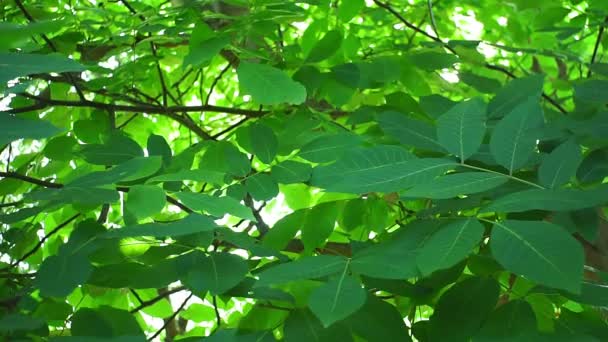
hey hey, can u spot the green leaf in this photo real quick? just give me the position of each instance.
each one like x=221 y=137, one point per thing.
x=409 y=131
x=326 y=47
x=306 y=268
x=23 y=64
x=116 y=150
x=60 y=148
x=158 y=146
x=130 y=170
x=378 y=321
x=59 y=275
x=513 y=140
x=550 y=200
x=337 y=299
x=535 y=250
x=268 y=85
x=449 y=245
x=349 y=9
x=433 y=60
x=216 y=206
x=262 y=187
x=455 y=184
x=592 y=91
x=13 y=128
x=328 y=148
x=217 y=273
x=105 y=321
x=75 y=194
x=289 y=172
x=145 y=200
x=303 y=326
x=317 y=224
x=513 y=321
x=378 y=260
x=264 y=142
x=560 y=165
x=223 y=157
x=461 y=130
x=516 y=92
x=377 y=169
x=461 y=310
x=202 y=52
x=19 y=322
x=193 y=223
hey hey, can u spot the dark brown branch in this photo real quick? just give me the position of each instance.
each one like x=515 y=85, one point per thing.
x=41 y=242
x=597 y=45
x=139 y=109
x=452 y=50
x=153 y=301
x=170 y=319
x=28 y=179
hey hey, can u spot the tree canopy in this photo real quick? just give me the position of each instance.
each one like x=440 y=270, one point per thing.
x=303 y=170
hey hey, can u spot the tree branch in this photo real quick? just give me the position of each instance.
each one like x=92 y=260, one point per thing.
x=153 y=301
x=32 y=180
x=149 y=109
x=171 y=318
x=452 y=50
x=41 y=242
x=597 y=45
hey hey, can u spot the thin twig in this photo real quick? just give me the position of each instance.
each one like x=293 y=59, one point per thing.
x=32 y=180
x=452 y=50
x=597 y=45
x=41 y=242
x=432 y=16
x=217 y=79
x=149 y=302
x=171 y=318
x=218 y=318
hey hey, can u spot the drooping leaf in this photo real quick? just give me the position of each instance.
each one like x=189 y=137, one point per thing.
x=409 y=131
x=560 y=165
x=216 y=206
x=461 y=130
x=378 y=169
x=59 y=275
x=513 y=139
x=305 y=268
x=268 y=85
x=289 y=171
x=515 y=93
x=326 y=47
x=337 y=299
x=329 y=147
x=534 y=249
x=13 y=128
x=264 y=142
x=549 y=199
x=461 y=310
x=378 y=260
x=449 y=245
x=23 y=64
x=262 y=187
x=217 y=273
x=455 y=184
x=145 y=200
x=193 y=223
x=116 y=150
x=514 y=321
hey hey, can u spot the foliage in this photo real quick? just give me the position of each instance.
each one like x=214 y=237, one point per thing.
x=307 y=170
